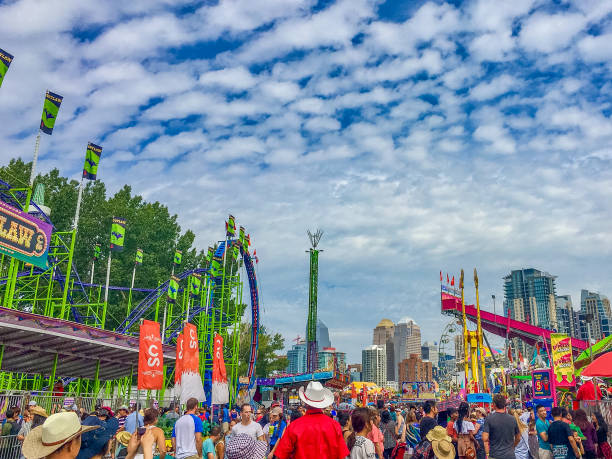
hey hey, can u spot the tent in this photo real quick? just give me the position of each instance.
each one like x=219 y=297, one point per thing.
x=600 y=347
x=482 y=397
x=601 y=367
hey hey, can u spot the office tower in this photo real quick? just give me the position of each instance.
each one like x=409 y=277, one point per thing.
x=565 y=315
x=597 y=306
x=374 y=365
x=383 y=336
x=529 y=296
x=322 y=335
x=429 y=352
x=297 y=359
x=406 y=340
x=331 y=360
x=414 y=369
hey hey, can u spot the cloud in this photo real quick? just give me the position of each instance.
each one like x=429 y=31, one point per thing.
x=547 y=33
x=496 y=87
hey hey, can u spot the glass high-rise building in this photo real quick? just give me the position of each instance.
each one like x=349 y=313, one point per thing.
x=529 y=296
x=598 y=306
x=383 y=336
x=322 y=335
x=565 y=316
x=374 y=365
x=297 y=359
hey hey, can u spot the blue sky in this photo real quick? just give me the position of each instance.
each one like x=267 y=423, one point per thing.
x=420 y=136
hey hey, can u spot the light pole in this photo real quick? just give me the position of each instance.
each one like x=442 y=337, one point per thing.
x=493 y=296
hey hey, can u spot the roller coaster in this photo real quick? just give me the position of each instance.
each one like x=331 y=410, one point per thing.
x=59 y=292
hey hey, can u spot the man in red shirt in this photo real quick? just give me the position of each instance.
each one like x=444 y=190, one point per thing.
x=314 y=434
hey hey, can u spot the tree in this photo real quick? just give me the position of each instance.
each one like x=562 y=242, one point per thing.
x=267 y=359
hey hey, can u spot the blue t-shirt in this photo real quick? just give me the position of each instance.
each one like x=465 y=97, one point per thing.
x=133 y=421
x=542 y=426
x=278 y=431
x=226 y=415
x=208 y=447
x=478 y=435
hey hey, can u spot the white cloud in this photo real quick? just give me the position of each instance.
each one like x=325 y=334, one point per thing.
x=596 y=49
x=547 y=33
x=496 y=137
x=236 y=78
x=496 y=87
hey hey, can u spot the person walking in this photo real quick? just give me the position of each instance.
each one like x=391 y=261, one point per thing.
x=561 y=438
x=590 y=443
x=466 y=444
x=247 y=425
x=500 y=433
x=243 y=446
x=390 y=431
x=209 y=446
x=360 y=446
x=276 y=428
x=521 y=450
x=314 y=434
x=481 y=415
x=134 y=419
x=603 y=447
x=542 y=424
x=375 y=435
x=428 y=421
x=187 y=433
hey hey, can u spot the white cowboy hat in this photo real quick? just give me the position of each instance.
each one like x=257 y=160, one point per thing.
x=316 y=395
x=57 y=430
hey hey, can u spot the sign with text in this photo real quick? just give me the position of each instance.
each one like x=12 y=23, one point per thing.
x=23 y=236
x=563 y=362
x=541 y=384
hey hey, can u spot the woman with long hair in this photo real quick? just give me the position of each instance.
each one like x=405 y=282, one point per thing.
x=344 y=419
x=590 y=443
x=389 y=429
x=413 y=434
x=603 y=447
x=521 y=450
x=466 y=444
x=150 y=421
x=358 y=443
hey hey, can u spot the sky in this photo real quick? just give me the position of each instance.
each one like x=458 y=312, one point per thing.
x=418 y=135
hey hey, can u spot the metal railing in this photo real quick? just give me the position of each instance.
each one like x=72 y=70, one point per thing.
x=604 y=407
x=10 y=447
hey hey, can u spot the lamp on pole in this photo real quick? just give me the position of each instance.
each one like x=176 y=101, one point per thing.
x=493 y=297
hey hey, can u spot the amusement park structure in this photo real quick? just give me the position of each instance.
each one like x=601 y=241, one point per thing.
x=312 y=360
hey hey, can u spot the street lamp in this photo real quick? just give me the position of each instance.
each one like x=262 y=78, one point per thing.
x=493 y=296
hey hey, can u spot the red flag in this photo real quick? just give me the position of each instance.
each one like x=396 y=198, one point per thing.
x=150 y=357
x=220 y=389
x=191 y=381
x=353 y=392
x=255 y=252
x=178 y=371
x=440 y=276
x=453 y=281
x=510 y=354
x=447 y=279
x=364 y=396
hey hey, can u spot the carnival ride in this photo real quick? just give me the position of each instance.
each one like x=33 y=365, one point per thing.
x=58 y=292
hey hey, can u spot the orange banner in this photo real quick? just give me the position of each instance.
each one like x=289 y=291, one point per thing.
x=179 y=359
x=150 y=357
x=191 y=353
x=219 y=374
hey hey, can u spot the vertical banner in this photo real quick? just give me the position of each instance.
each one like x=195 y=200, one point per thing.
x=97 y=251
x=230 y=226
x=215 y=268
x=139 y=256
x=92 y=159
x=178 y=257
x=194 y=285
x=563 y=361
x=150 y=357
x=241 y=237
x=191 y=381
x=173 y=288
x=210 y=254
x=235 y=251
x=220 y=389
x=5 y=63
x=49 y=114
x=178 y=365
x=117 y=234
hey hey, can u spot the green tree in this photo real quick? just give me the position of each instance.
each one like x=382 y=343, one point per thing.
x=267 y=359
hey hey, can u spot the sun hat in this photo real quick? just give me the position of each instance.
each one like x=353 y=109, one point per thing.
x=123 y=407
x=39 y=410
x=93 y=442
x=481 y=410
x=441 y=443
x=316 y=395
x=32 y=403
x=277 y=411
x=57 y=430
x=243 y=446
x=123 y=437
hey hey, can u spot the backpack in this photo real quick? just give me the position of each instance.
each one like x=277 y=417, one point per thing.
x=399 y=451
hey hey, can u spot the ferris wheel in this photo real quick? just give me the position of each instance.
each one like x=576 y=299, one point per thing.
x=447 y=368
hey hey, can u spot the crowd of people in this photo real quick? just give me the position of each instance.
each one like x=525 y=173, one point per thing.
x=312 y=430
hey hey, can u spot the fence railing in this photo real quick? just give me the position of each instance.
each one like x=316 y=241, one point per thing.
x=10 y=447
x=604 y=407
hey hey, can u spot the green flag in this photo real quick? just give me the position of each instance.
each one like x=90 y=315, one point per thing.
x=195 y=284
x=117 y=234
x=139 y=255
x=49 y=114
x=230 y=226
x=92 y=159
x=97 y=251
x=178 y=257
x=241 y=237
x=210 y=254
x=215 y=268
x=5 y=63
x=236 y=251
x=173 y=288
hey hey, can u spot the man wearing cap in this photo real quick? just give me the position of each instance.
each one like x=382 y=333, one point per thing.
x=314 y=434
x=58 y=438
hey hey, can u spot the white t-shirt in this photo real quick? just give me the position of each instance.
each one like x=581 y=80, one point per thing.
x=253 y=429
x=466 y=427
x=184 y=431
x=363 y=449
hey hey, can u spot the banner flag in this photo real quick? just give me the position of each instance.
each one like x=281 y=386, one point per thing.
x=230 y=226
x=49 y=114
x=92 y=159
x=241 y=237
x=97 y=252
x=215 y=268
x=210 y=254
x=194 y=285
x=139 y=256
x=117 y=234
x=235 y=251
x=5 y=63
x=191 y=381
x=178 y=363
x=173 y=288
x=178 y=257
x=220 y=389
x=563 y=361
x=150 y=357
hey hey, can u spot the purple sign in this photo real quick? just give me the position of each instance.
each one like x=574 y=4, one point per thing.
x=23 y=236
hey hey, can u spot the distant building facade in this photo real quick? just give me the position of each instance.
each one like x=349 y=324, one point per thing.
x=529 y=296
x=406 y=341
x=597 y=306
x=297 y=359
x=429 y=352
x=415 y=369
x=565 y=315
x=322 y=335
x=383 y=336
x=329 y=358
x=374 y=365
x=354 y=371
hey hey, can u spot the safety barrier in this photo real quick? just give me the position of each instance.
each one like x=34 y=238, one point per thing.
x=10 y=447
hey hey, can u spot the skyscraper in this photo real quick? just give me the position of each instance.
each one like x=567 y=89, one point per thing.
x=565 y=315
x=530 y=297
x=374 y=365
x=598 y=306
x=322 y=335
x=406 y=341
x=297 y=358
x=429 y=352
x=383 y=336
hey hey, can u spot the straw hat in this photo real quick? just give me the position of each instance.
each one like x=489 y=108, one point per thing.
x=57 y=430
x=441 y=443
x=316 y=395
x=39 y=410
x=123 y=437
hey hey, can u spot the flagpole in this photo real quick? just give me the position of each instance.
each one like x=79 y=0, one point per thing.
x=108 y=269
x=33 y=171
x=166 y=307
x=93 y=265
x=131 y=287
x=75 y=223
